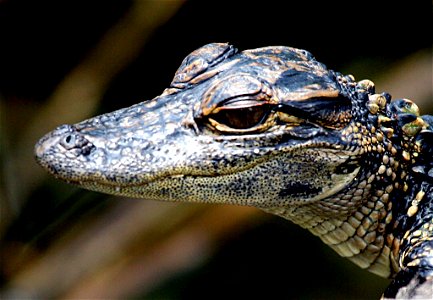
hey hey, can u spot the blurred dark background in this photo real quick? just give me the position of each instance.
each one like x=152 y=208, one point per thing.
x=63 y=61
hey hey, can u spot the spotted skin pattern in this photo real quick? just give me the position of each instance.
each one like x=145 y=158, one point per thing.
x=275 y=129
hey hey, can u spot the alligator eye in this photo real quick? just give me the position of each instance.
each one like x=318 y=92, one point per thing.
x=241 y=118
x=238 y=104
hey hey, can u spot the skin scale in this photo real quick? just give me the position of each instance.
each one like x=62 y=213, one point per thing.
x=274 y=129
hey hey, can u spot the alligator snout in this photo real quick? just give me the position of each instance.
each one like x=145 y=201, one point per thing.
x=69 y=140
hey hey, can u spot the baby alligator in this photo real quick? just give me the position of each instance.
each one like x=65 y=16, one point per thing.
x=275 y=129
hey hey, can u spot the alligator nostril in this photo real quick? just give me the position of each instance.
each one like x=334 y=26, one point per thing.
x=76 y=143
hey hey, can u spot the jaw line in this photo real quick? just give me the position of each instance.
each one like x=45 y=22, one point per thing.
x=177 y=175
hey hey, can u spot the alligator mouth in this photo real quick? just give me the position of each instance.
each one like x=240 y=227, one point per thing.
x=116 y=183
x=241 y=184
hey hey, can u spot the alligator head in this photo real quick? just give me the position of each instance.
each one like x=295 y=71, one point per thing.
x=271 y=128
x=260 y=127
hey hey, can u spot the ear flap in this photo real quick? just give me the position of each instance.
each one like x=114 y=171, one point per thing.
x=201 y=60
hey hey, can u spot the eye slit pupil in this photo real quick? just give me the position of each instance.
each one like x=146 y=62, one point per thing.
x=242 y=118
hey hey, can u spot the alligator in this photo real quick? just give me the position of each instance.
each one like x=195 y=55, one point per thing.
x=275 y=129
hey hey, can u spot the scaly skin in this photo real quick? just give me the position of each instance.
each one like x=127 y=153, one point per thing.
x=274 y=129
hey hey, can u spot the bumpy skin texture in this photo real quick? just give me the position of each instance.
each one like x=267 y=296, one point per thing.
x=274 y=129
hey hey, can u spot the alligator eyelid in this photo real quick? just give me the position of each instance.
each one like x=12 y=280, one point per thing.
x=240 y=98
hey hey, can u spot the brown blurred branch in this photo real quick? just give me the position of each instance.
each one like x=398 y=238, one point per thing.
x=93 y=246
x=146 y=267
x=136 y=245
